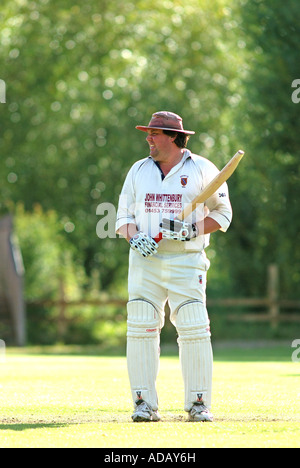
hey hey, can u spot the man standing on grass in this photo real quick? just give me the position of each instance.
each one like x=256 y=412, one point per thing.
x=155 y=191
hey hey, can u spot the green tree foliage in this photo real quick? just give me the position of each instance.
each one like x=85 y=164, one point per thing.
x=48 y=254
x=266 y=187
x=80 y=77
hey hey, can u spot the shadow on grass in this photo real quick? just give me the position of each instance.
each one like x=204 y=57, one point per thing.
x=253 y=352
x=24 y=426
x=240 y=351
x=68 y=350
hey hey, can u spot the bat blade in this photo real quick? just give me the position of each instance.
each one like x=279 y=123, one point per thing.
x=213 y=186
x=210 y=189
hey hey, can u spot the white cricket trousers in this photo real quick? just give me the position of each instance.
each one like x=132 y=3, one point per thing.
x=180 y=279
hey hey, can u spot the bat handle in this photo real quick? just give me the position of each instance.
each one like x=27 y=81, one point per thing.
x=159 y=237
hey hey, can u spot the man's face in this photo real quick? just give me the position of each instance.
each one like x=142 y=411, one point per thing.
x=160 y=144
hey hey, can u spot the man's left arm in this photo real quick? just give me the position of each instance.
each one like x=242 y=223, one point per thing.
x=208 y=226
x=219 y=208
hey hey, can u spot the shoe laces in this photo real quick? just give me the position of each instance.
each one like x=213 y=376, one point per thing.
x=199 y=408
x=142 y=405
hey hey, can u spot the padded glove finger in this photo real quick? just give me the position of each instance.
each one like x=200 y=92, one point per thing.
x=143 y=244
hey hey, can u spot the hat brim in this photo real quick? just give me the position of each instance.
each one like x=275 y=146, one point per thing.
x=145 y=129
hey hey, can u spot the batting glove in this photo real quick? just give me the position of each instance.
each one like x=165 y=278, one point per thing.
x=178 y=230
x=143 y=244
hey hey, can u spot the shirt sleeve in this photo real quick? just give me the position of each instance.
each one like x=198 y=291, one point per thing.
x=125 y=212
x=218 y=204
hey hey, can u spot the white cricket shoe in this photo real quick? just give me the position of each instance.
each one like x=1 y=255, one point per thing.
x=199 y=412
x=144 y=412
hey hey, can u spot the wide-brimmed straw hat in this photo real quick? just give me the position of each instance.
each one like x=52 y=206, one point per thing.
x=165 y=120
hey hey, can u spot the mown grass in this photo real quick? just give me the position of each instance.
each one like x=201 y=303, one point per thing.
x=67 y=399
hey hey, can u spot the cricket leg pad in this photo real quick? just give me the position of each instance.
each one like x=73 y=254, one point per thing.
x=195 y=352
x=143 y=339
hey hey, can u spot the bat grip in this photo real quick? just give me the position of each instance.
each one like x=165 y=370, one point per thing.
x=158 y=238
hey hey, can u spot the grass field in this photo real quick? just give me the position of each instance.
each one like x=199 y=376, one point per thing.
x=76 y=400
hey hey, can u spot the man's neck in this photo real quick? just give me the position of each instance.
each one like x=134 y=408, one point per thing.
x=167 y=163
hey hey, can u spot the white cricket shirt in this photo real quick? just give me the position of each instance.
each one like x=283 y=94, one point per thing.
x=148 y=196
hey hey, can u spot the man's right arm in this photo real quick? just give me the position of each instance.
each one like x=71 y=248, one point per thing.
x=127 y=231
x=138 y=240
x=125 y=222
